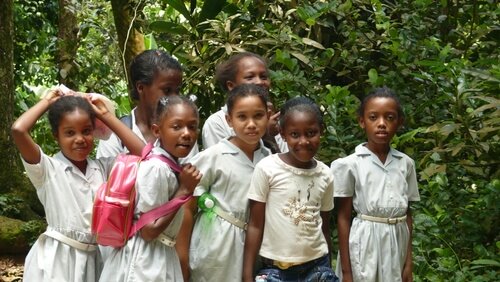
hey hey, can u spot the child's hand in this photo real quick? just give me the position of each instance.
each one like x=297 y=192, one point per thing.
x=188 y=179
x=272 y=125
x=98 y=105
x=53 y=96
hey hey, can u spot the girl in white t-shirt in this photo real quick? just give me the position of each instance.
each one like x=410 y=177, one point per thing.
x=66 y=184
x=378 y=182
x=218 y=235
x=150 y=254
x=291 y=198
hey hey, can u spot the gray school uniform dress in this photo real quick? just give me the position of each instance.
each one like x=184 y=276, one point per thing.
x=383 y=190
x=216 y=250
x=140 y=260
x=67 y=196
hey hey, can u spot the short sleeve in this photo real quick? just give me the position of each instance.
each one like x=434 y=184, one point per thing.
x=214 y=130
x=411 y=179
x=155 y=184
x=327 y=200
x=110 y=148
x=37 y=173
x=205 y=163
x=343 y=178
x=259 y=185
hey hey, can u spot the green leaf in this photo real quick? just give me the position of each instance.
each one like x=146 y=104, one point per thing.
x=313 y=43
x=486 y=262
x=301 y=57
x=373 y=76
x=168 y=27
x=150 y=42
x=179 y=6
x=210 y=9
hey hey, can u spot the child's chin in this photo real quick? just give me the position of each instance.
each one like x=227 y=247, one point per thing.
x=182 y=153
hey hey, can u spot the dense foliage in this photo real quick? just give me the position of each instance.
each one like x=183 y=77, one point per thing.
x=441 y=57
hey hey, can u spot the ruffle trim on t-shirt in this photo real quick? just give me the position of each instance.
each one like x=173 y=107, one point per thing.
x=300 y=171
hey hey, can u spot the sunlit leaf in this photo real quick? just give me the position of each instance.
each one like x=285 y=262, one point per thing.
x=301 y=57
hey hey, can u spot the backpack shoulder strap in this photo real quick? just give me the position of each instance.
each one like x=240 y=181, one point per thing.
x=173 y=165
x=152 y=215
x=146 y=151
x=170 y=206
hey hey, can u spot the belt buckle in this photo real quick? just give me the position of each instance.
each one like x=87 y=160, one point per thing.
x=283 y=265
x=392 y=220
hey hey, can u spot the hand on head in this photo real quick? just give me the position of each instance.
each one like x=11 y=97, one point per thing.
x=53 y=95
x=98 y=104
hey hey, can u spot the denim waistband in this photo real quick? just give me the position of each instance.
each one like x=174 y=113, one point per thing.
x=293 y=266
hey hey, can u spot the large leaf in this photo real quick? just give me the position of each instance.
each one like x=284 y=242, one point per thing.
x=181 y=8
x=168 y=27
x=210 y=9
x=150 y=42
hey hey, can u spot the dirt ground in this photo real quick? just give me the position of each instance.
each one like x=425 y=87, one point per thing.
x=11 y=269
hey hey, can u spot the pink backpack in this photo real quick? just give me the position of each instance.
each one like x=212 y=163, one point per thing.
x=114 y=204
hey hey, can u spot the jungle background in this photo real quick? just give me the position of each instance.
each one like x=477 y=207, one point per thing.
x=441 y=57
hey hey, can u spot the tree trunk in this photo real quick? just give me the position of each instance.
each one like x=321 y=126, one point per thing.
x=67 y=42
x=10 y=171
x=130 y=38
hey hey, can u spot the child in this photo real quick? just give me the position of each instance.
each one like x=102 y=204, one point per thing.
x=242 y=68
x=291 y=196
x=150 y=254
x=66 y=184
x=153 y=74
x=216 y=247
x=378 y=182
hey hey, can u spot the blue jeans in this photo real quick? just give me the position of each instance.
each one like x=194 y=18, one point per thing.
x=318 y=270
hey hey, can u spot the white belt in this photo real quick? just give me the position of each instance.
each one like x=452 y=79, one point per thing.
x=68 y=241
x=165 y=240
x=387 y=220
x=229 y=218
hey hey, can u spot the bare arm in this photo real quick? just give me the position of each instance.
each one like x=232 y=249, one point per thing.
x=253 y=239
x=325 y=228
x=133 y=143
x=344 y=229
x=20 y=129
x=184 y=236
x=188 y=179
x=408 y=268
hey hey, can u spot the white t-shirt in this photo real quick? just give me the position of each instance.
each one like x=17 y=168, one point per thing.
x=294 y=198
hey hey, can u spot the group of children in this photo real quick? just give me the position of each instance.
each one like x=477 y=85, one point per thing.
x=256 y=215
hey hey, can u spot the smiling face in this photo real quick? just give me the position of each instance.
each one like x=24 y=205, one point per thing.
x=178 y=130
x=75 y=136
x=165 y=83
x=302 y=132
x=380 y=120
x=248 y=118
x=251 y=70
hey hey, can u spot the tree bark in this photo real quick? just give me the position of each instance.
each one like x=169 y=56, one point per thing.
x=9 y=167
x=67 y=42
x=130 y=38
